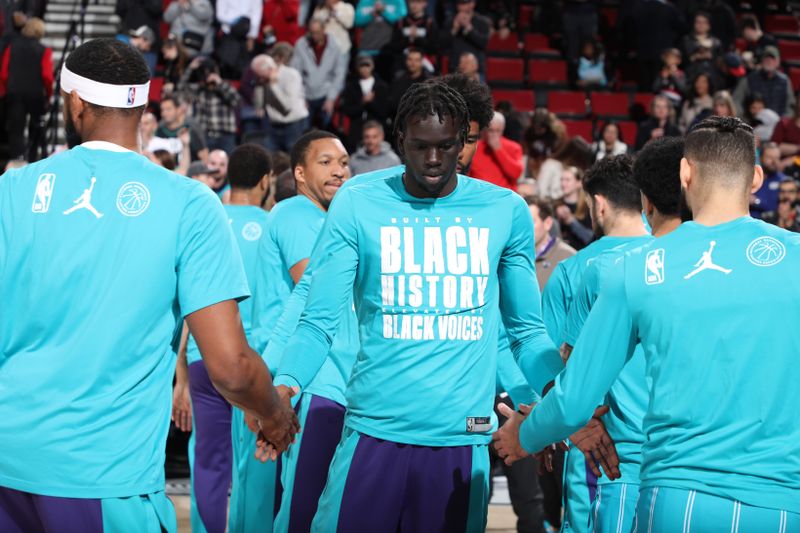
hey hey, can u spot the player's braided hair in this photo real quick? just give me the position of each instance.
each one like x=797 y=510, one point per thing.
x=477 y=96
x=432 y=98
x=108 y=60
x=724 y=149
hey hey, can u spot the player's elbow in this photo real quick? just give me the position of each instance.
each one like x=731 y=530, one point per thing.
x=235 y=376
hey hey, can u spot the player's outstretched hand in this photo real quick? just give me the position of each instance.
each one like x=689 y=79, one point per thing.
x=182 y=407
x=506 y=439
x=276 y=433
x=598 y=448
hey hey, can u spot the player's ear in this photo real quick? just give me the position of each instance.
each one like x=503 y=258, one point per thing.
x=266 y=179
x=647 y=206
x=299 y=174
x=401 y=150
x=76 y=106
x=758 y=179
x=686 y=173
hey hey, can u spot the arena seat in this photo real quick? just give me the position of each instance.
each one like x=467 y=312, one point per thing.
x=579 y=128
x=628 y=130
x=547 y=71
x=794 y=76
x=567 y=102
x=526 y=12
x=537 y=43
x=505 y=71
x=522 y=100
x=644 y=99
x=610 y=104
x=790 y=50
x=508 y=45
x=781 y=24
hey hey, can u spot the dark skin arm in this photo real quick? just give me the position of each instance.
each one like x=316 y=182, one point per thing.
x=239 y=373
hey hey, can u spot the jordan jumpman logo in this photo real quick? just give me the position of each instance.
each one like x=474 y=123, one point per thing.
x=84 y=201
x=706 y=263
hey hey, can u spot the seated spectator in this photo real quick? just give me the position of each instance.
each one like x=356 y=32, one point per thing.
x=365 y=98
x=278 y=88
x=771 y=83
x=280 y=21
x=516 y=121
x=468 y=66
x=175 y=60
x=545 y=136
x=671 y=80
x=592 y=66
x=173 y=121
x=218 y=163
x=580 y=25
x=497 y=160
x=572 y=210
x=610 y=142
x=26 y=81
x=657 y=26
x=215 y=103
x=134 y=14
x=785 y=215
x=660 y=123
x=323 y=67
x=416 y=30
x=190 y=21
x=766 y=198
x=756 y=41
x=502 y=14
x=704 y=63
x=148 y=125
x=550 y=250
x=526 y=187
x=164 y=159
x=337 y=18
x=413 y=73
x=787 y=136
x=699 y=99
x=377 y=17
x=144 y=40
x=374 y=152
x=762 y=120
x=231 y=12
x=724 y=106
x=467 y=31
x=574 y=153
x=202 y=173
x=701 y=37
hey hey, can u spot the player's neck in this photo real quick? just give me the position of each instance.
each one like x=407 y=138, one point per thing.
x=302 y=190
x=115 y=133
x=720 y=208
x=245 y=197
x=625 y=225
x=662 y=225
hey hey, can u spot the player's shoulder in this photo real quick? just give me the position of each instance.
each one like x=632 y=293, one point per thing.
x=51 y=165
x=493 y=193
x=298 y=206
x=370 y=183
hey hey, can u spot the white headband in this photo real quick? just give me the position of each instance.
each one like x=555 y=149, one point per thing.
x=104 y=94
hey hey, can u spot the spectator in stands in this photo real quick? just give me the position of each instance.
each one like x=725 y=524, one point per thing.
x=218 y=163
x=766 y=198
x=771 y=83
x=365 y=98
x=699 y=99
x=231 y=12
x=468 y=66
x=756 y=41
x=173 y=121
x=785 y=215
x=610 y=142
x=215 y=103
x=592 y=65
x=323 y=67
x=787 y=136
x=701 y=37
x=280 y=21
x=148 y=125
x=580 y=25
x=337 y=18
x=374 y=153
x=134 y=14
x=175 y=60
x=191 y=21
x=413 y=73
x=164 y=159
x=550 y=250
x=660 y=123
x=762 y=120
x=467 y=31
x=26 y=81
x=658 y=25
x=200 y=172
x=144 y=40
x=278 y=88
x=545 y=135
x=516 y=121
x=572 y=210
x=377 y=17
x=704 y=63
x=671 y=81
x=497 y=160
x=414 y=31
x=724 y=106
x=574 y=153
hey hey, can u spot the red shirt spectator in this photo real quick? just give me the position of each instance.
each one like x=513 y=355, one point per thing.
x=280 y=19
x=497 y=160
x=787 y=136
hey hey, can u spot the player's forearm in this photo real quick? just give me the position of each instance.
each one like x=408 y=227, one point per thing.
x=550 y=422
x=538 y=359
x=303 y=356
x=247 y=384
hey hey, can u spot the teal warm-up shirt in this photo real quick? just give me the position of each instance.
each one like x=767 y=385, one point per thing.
x=102 y=254
x=249 y=224
x=427 y=276
x=715 y=309
x=292 y=228
x=628 y=396
x=560 y=290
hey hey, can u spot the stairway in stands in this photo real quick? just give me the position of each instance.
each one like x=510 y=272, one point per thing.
x=99 y=21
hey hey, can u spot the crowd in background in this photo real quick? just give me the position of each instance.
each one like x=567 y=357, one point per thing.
x=234 y=71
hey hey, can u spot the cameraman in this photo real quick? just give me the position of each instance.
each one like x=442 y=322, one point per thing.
x=215 y=103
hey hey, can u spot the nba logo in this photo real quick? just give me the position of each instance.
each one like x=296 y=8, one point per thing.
x=131 y=95
x=43 y=193
x=654 y=267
